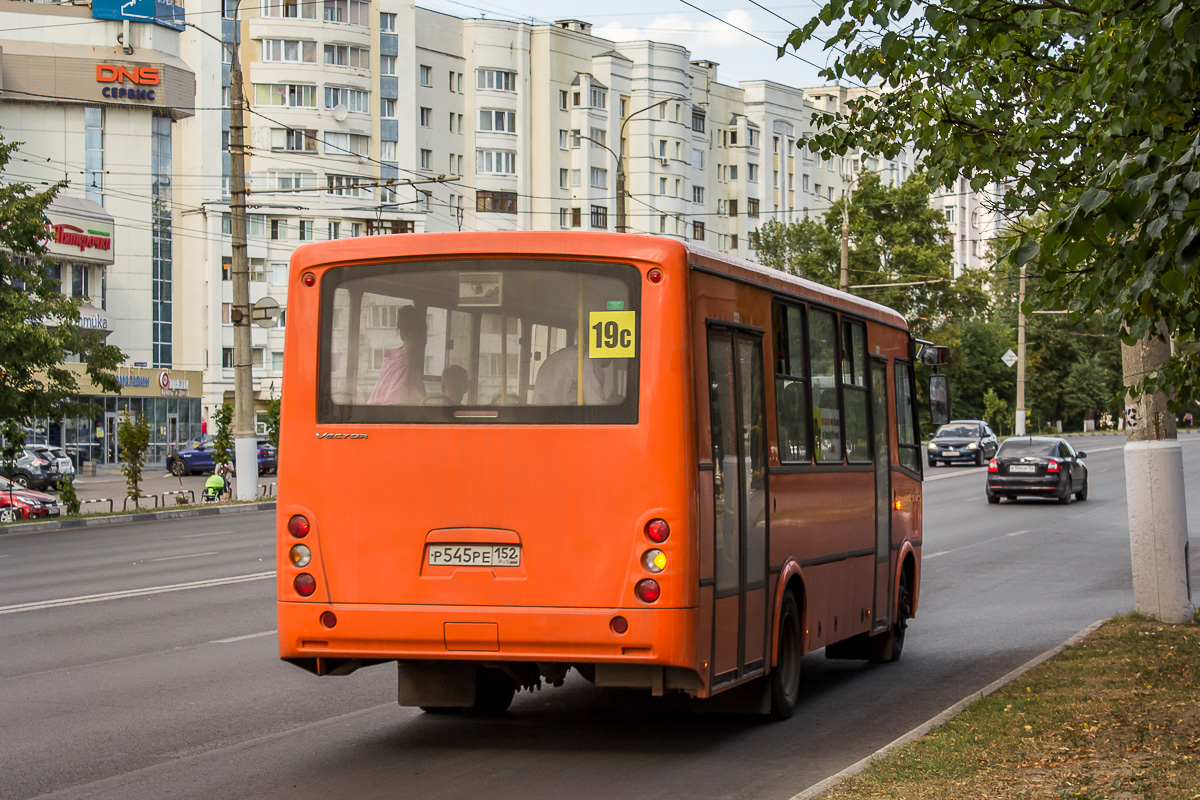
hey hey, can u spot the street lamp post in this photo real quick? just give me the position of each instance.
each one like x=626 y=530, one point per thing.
x=621 y=210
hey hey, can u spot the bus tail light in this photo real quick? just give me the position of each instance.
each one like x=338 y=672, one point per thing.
x=654 y=560
x=305 y=584
x=1053 y=468
x=647 y=590
x=328 y=619
x=655 y=275
x=657 y=530
x=300 y=555
x=993 y=466
x=298 y=526
x=618 y=624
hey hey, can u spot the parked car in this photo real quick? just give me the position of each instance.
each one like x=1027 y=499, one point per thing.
x=1040 y=466
x=17 y=502
x=34 y=469
x=66 y=468
x=968 y=440
x=199 y=458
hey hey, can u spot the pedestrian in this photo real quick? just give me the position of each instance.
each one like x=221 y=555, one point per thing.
x=1187 y=419
x=204 y=426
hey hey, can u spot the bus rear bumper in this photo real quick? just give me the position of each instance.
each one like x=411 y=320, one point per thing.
x=371 y=633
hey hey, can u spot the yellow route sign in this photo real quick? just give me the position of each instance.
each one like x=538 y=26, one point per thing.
x=612 y=334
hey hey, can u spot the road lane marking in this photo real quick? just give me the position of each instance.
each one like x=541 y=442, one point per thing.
x=150 y=590
x=189 y=555
x=243 y=638
x=926 y=557
x=199 y=535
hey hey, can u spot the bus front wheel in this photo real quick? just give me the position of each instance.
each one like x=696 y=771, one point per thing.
x=785 y=678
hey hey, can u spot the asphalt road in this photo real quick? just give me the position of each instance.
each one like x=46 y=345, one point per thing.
x=139 y=661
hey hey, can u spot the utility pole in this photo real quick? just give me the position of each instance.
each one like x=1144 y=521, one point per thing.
x=1158 y=533
x=245 y=453
x=622 y=226
x=1020 y=426
x=844 y=280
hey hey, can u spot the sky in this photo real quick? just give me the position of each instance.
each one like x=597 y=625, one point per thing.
x=715 y=38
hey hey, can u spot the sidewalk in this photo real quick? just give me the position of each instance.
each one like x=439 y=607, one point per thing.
x=109 y=484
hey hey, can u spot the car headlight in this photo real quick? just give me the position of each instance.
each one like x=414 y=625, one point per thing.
x=933 y=446
x=973 y=446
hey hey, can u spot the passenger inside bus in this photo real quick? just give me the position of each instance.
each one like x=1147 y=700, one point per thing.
x=400 y=380
x=455 y=383
x=556 y=380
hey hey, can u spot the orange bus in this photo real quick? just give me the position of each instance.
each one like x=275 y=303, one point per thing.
x=734 y=482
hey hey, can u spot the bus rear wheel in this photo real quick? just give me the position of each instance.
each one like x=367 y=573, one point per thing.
x=891 y=645
x=785 y=678
x=494 y=692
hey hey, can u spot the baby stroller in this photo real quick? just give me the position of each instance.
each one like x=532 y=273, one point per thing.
x=214 y=487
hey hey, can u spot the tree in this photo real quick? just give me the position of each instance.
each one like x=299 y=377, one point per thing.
x=223 y=438
x=899 y=255
x=39 y=325
x=133 y=435
x=1085 y=110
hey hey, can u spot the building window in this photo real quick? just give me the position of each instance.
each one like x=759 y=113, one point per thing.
x=290 y=95
x=387 y=65
x=290 y=9
x=733 y=208
x=662 y=187
x=751 y=206
x=426 y=159
x=387 y=150
x=345 y=186
x=496 y=79
x=353 y=12
x=575 y=138
x=294 y=140
x=93 y=154
x=426 y=117
x=342 y=55
x=600 y=217
x=697 y=121
x=277 y=361
x=697 y=194
x=342 y=144
x=733 y=172
x=662 y=223
x=564 y=175
x=564 y=218
x=599 y=98
x=562 y=99
x=564 y=140
x=335 y=230
x=496 y=162
x=279 y=273
x=599 y=178
x=353 y=99
x=161 y=227
x=387 y=23
x=491 y=119
x=293 y=50
x=576 y=217
x=698 y=231
x=227 y=357
x=306 y=230
x=698 y=158
x=752 y=173
x=733 y=242
x=499 y=202
x=278 y=229
x=426 y=75
x=576 y=177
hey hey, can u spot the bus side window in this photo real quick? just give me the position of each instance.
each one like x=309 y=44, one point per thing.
x=854 y=390
x=791 y=385
x=906 y=413
x=822 y=341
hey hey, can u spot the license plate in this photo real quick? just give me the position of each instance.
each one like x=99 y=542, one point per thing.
x=949 y=452
x=55 y=511
x=1022 y=468
x=474 y=555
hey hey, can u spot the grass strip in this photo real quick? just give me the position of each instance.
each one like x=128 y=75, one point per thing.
x=1114 y=716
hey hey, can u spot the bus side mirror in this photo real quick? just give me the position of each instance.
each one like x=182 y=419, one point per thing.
x=934 y=355
x=939 y=399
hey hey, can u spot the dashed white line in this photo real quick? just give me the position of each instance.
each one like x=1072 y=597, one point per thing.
x=150 y=590
x=189 y=555
x=243 y=638
x=199 y=535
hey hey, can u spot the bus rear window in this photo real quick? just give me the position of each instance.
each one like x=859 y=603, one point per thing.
x=479 y=341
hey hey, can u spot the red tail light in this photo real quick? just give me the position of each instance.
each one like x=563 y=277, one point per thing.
x=657 y=530
x=1053 y=466
x=305 y=584
x=993 y=466
x=647 y=590
x=298 y=526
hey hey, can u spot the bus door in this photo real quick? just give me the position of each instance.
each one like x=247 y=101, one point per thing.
x=883 y=495
x=740 y=608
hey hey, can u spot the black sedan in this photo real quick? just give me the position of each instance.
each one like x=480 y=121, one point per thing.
x=1038 y=466
x=969 y=440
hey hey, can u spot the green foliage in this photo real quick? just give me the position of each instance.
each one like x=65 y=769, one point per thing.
x=273 y=420
x=1086 y=112
x=895 y=237
x=133 y=435
x=14 y=443
x=39 y=326
x=68 y=497
x=223 y=438
x=996 y=413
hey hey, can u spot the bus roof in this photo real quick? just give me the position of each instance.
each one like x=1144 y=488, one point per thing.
x=614 y=246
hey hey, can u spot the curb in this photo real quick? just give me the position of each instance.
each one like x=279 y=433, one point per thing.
x=944 y=717
x=149 y=516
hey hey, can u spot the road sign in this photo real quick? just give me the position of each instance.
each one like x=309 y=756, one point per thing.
x=265 y=312
x=1009 y=358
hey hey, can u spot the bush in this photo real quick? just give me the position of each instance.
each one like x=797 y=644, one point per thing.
x=66 y=495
